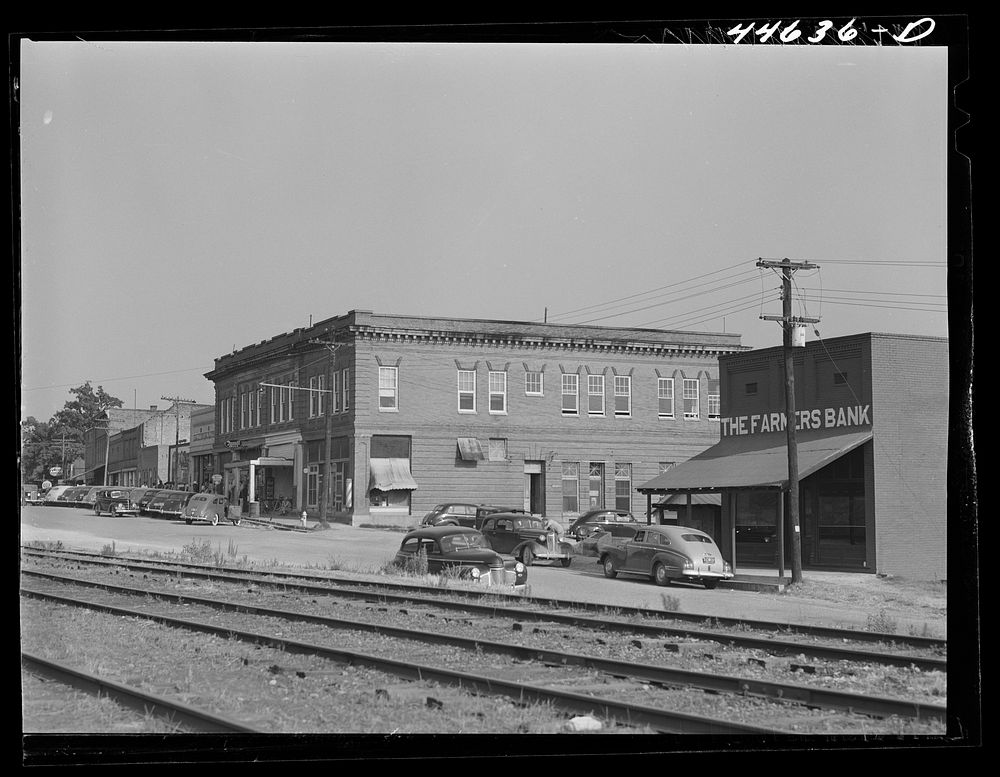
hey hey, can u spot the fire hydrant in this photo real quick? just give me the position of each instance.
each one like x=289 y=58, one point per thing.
x=305 y=517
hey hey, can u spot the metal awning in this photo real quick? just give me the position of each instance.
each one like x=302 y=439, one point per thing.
x=681 y=500
x=470 y=449
x=758 y=461
x=391 y=475
x=272 y=461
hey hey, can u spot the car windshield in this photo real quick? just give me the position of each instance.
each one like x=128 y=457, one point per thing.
x=528 y=523
x=459 y=542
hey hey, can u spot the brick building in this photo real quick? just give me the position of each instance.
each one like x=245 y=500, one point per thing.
x=872 y=439
x=551 y=418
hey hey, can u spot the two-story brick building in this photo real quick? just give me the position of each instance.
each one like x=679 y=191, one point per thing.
x=550 y=418
x=872 y=442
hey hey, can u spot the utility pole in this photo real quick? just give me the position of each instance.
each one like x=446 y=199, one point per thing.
x=326 y=494
x=171 y=470
x=788 y=322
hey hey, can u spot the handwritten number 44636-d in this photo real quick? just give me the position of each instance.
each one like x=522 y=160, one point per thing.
x=914 y=31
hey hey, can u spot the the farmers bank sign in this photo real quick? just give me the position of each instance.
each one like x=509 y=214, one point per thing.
x=819 y=418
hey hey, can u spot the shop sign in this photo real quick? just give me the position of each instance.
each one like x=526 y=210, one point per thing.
x=216 y=479
x=55 y=471
x=234 y=443
x=818 y=418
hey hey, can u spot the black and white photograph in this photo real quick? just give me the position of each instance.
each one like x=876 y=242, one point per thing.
x=459 y=391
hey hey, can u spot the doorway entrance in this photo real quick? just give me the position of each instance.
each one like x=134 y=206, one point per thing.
x=534 y=487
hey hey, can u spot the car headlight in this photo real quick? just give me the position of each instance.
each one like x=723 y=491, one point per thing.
x=519 y=567
x=475 y=573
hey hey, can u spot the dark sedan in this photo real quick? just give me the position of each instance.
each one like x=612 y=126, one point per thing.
x=117 y=501
x=211 y=508
x=609 y=520
x=461 y=551
x=525 y=537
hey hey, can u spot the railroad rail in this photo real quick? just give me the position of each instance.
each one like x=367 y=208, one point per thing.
x=642 y=672
x=735 y=638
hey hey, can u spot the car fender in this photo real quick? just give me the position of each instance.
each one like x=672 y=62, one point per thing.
x=671 y=559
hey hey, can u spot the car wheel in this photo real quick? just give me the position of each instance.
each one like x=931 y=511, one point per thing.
x=609 y=567
x=527 y=556
x=566 y=561
x=237 y=521
x=114 y=511
x=215 y=519
x=187 y=521
x=710 y=584
x=660 y=576
x=97 y=511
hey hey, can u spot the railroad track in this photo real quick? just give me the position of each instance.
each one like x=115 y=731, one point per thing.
x=547 y=668
x=827 y=643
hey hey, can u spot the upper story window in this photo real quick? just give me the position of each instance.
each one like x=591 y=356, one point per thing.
x=338 y=399
x=387 y=388
x=713 y=400
x=466 y=391
x=346 y=380
x=691 y=398
x=595 y=395
x=498 y=449
x=623 y=395
x=317 y=404
x=244 y=418
x=665 y=392
x=533 y=383
x=570 y=394
x=750 y=388
x=498 y=392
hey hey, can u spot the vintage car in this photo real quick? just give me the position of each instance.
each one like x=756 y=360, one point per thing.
x=147 y=498
x=52 y=495
x=31 y=495
x=117 y=501
x=602 y=536
x=451 y=514
x=211 y=508
x=666 y=553
x=525 y=537
x=463 y=551
x=169 y=503
x=482 y=511
x=88 y=499
x=604 y=518
x=71 y=496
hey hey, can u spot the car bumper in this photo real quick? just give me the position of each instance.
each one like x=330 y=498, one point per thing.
x=694 y=574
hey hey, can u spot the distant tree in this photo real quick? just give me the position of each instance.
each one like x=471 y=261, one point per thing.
x=58 y=441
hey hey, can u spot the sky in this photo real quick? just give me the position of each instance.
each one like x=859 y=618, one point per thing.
x=182 y=199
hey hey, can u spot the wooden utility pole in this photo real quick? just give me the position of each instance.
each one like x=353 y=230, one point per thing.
x=326 y=495
x=788 y=322
x=171 y=470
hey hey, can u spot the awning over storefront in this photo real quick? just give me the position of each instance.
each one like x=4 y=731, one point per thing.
x=470 y=449
x=681 y=500
x=391 y=475
x=272 y=461
x=759 y=461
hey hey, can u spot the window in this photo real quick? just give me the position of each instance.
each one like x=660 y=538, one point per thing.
x=570 y=487
x=498 y=392
x=596 y=484
x=274 y=405
x=387 y=383
x=466 y=391
x=337 y=398
x=623 y=486
x=533 y=383
x=283 y=400
x=314 y=396
x=292 y=384
x=839 y=378
x=255 y=406
x=570 y=394
x=691 y=398
x=595 y=395
x=244 y=421
x=713 y=400
x=665 y=391
x=750 y=388
x=623 y=395
x=498 y=449
x=665 y=465
x=347 y=389
x=314 y=482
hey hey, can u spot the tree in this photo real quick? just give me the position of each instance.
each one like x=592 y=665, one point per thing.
x=59 y=440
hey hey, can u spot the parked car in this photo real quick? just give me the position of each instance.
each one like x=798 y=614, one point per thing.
x=135 y=495
x=451 y=514
x=602 y=536
x=525 y=537
x=71 y=496
x=482 y=511
x=666 y=553
x=610 y=520
x=210 y=507
x=464 y=551
x=117 y=501
x=31 y=495
x=169 y=503
x=52 y=495
x=145 y=500
x=88 y=499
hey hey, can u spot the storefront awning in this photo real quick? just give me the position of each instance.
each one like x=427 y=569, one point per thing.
x=759 y=461
x=470 y=449
x=681 y=500
x=272 y=461
x=391 y=475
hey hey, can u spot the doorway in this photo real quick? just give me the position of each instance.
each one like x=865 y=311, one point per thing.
x=534 y=487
